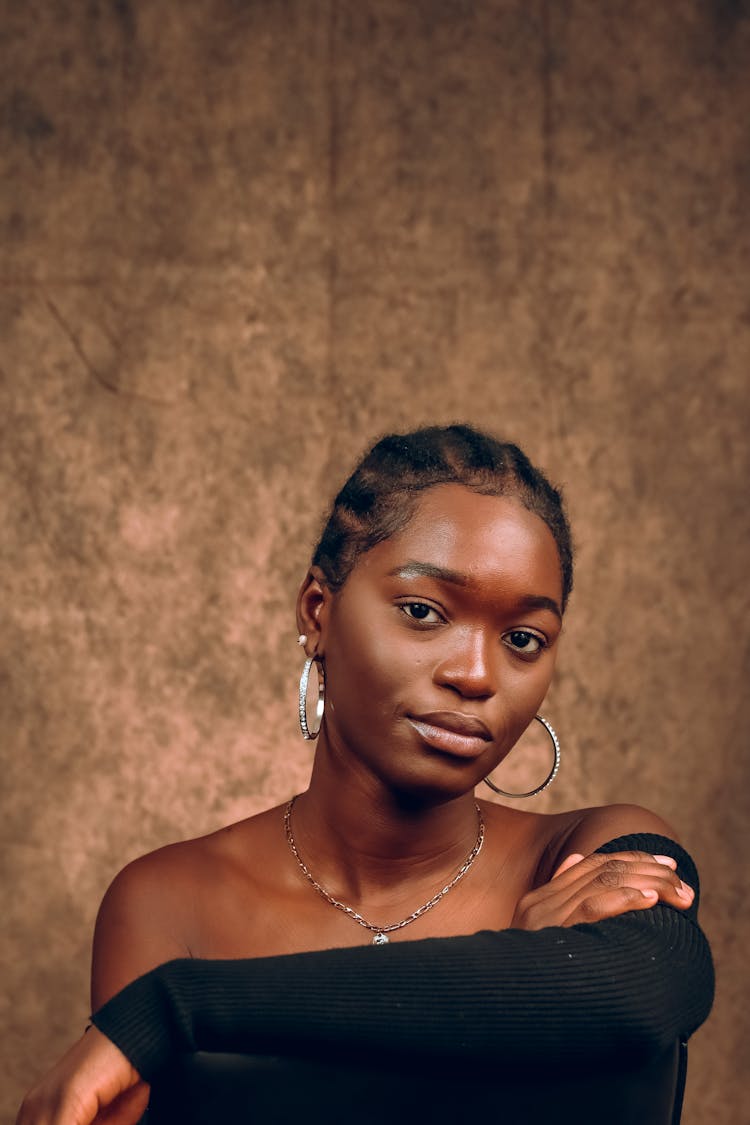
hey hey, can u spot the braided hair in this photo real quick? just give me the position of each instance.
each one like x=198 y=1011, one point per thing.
x=380 y=496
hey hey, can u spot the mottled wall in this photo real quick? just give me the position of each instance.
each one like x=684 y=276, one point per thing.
x=238 y=240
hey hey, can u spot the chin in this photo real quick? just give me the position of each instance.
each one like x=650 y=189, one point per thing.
x=421 y=791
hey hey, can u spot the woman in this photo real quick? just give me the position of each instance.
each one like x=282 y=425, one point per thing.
x=431 y=617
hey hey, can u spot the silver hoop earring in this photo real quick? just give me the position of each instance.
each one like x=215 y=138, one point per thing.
x=553 y=773
x=307 y=731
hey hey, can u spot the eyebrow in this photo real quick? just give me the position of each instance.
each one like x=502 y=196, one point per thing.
x=429 y=570
x=415 y=569
x=539 y=601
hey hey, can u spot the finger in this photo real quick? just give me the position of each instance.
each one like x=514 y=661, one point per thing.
x=593 y=879
x=617 y=873
x=676 y=893
x=128 y=1109
x=667 y=860
x=655 y=880
x=569 y=861
x=611 y=904
x=576 y=873
x=596 y=860
x=610 y=868
x=642 y=879
x=91 y=1075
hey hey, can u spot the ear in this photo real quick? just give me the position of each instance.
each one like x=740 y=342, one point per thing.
x=313 y=603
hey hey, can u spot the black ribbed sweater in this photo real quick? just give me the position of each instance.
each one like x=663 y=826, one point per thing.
x=576 y=996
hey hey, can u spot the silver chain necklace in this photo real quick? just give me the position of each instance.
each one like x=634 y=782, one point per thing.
x=381 y=932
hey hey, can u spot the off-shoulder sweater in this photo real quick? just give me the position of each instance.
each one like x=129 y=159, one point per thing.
x=574 y=997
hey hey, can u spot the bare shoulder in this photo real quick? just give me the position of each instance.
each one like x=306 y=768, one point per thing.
x=585 y=830
x=132 y=932
x=153 y=905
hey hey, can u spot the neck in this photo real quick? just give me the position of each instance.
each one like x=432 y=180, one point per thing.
x=365 y=843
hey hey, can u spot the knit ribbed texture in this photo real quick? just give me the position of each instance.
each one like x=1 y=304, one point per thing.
x=578 y=995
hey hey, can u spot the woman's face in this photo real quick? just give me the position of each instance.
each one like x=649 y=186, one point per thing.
x=440 y=646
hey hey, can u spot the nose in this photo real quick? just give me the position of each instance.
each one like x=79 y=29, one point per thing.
x=468 y=668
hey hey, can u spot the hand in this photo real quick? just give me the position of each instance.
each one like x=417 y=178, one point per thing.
x=93 y=1083
x=589 y=889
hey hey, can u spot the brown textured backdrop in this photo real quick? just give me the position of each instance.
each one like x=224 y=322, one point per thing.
x=240 y=239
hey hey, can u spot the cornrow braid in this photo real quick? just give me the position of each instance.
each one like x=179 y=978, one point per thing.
x=380 y=496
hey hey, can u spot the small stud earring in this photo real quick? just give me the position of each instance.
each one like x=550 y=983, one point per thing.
x=302 y=640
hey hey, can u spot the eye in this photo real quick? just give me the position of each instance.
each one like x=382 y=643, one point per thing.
x=421 y=612
x=524 y=643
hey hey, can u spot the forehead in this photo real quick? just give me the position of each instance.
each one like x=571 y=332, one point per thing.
x=488 y=539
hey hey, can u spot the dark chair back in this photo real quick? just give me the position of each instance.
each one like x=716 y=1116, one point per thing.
x=226 y=1089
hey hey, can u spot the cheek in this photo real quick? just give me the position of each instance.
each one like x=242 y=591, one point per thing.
x=525 y=694
x=364 y=672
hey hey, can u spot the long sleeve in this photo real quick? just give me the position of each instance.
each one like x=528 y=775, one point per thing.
x=588 y=992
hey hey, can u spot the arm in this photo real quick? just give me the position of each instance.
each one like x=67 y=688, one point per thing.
x=138 y=922
x=576 y=994
x=136 y=929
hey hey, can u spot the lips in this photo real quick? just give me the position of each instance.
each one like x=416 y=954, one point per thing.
x=452 y=733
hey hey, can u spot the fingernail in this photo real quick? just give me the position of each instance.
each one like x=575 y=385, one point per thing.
x=666 y=860
x=684 y=891
x=650 y=894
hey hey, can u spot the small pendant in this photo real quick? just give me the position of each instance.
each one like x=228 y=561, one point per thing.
x=380 y=939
